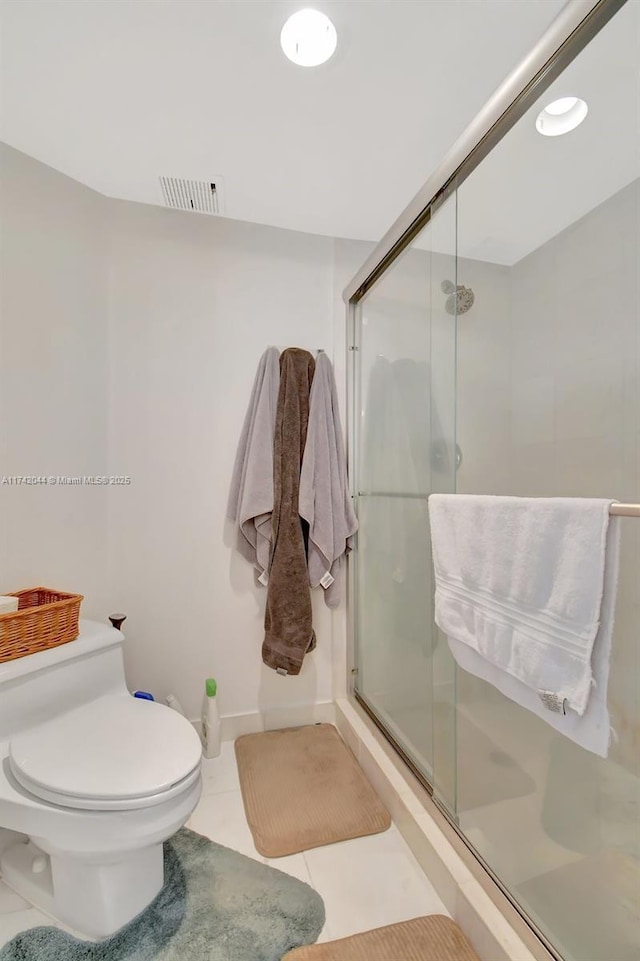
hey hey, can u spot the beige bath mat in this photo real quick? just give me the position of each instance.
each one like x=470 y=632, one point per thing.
x=435 y=938
x=302 y=788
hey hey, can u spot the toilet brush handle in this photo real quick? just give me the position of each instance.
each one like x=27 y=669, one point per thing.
x=117 y=619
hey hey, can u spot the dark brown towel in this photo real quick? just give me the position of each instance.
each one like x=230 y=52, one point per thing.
x=287 y=620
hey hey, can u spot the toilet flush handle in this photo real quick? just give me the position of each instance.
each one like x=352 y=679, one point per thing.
x=117 y=619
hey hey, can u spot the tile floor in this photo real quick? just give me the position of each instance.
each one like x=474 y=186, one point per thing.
x=365 y=883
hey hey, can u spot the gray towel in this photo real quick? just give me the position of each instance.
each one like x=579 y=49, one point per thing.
x=287 y=621
x=251 y=495
x=325 y=502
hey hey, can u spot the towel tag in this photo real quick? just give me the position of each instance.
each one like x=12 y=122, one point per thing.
x=282 y=671
x=264 y=578
x=327 y=580
x=553 y=702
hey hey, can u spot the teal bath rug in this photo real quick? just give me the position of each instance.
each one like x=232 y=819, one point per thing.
x=215 y=905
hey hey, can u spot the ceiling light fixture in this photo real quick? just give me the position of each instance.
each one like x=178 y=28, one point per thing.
x=308 y=38
x=561 y=116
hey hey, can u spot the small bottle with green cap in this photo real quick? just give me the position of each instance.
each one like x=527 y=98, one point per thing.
x=210 y=720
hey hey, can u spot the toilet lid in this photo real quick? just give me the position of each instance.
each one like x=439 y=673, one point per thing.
x=115 y=751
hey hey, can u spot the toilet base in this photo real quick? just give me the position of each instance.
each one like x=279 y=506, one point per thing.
x=95 y=898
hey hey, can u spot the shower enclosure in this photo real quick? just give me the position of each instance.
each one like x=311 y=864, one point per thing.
x=495 y=339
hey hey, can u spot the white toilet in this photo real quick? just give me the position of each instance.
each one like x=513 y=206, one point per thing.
x=92 y=781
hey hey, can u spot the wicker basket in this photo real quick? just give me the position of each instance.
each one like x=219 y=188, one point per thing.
x=44 y=619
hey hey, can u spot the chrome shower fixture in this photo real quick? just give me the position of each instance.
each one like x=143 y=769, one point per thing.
x=460 y=298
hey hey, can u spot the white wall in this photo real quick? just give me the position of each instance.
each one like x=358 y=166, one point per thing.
x=194 y=302
x=53 y=380
x=130 y=339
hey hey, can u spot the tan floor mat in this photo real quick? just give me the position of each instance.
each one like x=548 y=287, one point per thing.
x=302 y=788
x=435 y=938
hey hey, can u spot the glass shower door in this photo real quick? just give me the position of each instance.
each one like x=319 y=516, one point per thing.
x=405 y=422
x=548 y=405
x=500 y=354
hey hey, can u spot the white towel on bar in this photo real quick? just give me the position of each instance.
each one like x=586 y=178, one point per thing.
x=324 y=501
x=525 y=592
x=251 y=495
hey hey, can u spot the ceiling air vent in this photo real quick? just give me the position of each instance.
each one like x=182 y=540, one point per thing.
x=201 y=196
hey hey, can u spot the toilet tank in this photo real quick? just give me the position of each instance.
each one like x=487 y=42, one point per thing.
x=42 y=686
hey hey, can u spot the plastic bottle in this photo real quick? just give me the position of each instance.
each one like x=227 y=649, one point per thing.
x=210 y=720
x=174 y=703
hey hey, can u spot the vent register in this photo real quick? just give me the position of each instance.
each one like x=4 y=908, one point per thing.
x=200 y=196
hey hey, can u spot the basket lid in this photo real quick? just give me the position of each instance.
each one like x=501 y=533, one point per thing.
x=117 y=748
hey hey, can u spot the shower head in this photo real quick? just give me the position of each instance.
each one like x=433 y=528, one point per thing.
x=460 y=298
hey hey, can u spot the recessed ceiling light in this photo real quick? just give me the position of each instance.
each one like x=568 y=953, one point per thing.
x=308 y=38
x=561 y=116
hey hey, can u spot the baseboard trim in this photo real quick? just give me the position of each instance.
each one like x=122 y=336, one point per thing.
x=273 y=719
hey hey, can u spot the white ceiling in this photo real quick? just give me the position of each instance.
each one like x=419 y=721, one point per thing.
x=531 y=187
x=118 y=92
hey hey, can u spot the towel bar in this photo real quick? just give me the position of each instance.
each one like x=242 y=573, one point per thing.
x=616 y=510
x=625 y=510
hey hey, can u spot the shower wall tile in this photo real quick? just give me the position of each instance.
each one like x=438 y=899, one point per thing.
x=483 y=432
x=548 y=394
x=624 y=703
x=600 y=243
x=482 y=452
x=631 y=384
x=533 y=473
x=534 y=274
x=576 y=329
x=589 y=466
x=591 y=321
x=483 y=387
x=533 y=331
x=631 y=399
x=533 y=410
x=590 y=398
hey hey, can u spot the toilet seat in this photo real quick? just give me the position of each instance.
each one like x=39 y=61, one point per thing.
x=114 y=753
